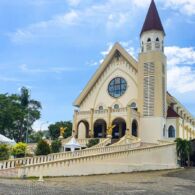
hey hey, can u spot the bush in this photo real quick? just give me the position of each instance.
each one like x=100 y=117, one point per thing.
x=42 y=148
x=56 y=146
x=92 y=142
x=4 y=152
x=19 y=150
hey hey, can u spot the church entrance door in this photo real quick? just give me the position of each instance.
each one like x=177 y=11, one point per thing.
x=134 y=128
x=119 y=129
x=100 y=128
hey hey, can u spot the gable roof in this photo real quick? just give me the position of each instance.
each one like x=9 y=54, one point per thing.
x=172 y=113
x=116 y=48
x=152 y=21
x=172 y=100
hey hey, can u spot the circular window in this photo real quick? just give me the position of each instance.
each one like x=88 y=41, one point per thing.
x=101 y=108
x=117 y=87
x=116 y=106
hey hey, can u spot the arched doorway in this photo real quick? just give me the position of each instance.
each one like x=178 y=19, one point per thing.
x=100 y=128
x=83 y=130
x=134 y=128
x=119 y=129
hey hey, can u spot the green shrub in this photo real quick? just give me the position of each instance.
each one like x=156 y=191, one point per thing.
x=92 y=142
x=42 y=148
x=56 y=146
x=19 y=150
x=4 y=152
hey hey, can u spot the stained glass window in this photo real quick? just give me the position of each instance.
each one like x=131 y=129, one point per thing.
x=117 y=87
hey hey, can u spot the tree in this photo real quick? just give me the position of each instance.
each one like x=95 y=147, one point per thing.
x=31 y=113
x=17 y=114
x=56 y=146
x=184 y=150
x=92 y=142
x=19 y=150
x=35 y=137
x=54 y=129
x=42 y=148
x=4 y=152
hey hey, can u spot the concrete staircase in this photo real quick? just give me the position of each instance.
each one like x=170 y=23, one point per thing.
x=99 y=160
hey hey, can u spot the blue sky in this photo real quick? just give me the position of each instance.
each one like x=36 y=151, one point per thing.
x=54 y=46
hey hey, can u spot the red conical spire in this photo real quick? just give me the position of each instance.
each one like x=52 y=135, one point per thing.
x=152 y=21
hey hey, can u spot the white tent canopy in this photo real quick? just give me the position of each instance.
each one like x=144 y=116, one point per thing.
x=5 y=140
x=72 y=144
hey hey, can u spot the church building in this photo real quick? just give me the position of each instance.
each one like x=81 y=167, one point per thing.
x=131 y=95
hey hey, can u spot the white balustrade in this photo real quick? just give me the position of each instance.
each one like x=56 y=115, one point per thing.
x=65 y=155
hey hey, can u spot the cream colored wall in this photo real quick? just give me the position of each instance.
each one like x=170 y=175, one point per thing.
x=173 y=122
x=151 y=158
x=81 y=131
x=153 y=34
x=99 y=96
x=159 y=59
x=151 y=129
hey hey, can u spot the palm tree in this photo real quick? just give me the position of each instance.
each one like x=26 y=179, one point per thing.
x=30 y=113
x=184 y=150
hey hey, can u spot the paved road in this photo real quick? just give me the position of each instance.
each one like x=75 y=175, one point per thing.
x=180 y=182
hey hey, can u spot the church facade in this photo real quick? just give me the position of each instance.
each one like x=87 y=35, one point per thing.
x=131 y=95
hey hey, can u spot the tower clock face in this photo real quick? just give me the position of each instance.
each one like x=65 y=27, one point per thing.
x=117 y=87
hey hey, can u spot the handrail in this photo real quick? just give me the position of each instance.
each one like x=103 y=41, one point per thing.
x=104 y=143
x=59 y=156
x=125 y=149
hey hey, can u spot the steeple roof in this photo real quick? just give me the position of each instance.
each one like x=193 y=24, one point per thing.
x=152 y=21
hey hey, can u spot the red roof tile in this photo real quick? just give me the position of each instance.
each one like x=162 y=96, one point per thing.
x=152 y=21
x=171 y=113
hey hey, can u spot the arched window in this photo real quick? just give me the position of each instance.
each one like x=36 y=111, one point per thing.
x=157 y=39
x=149 y=40
x=101 y=108
x=171 y=132
x=116 y=106
x=133 y=106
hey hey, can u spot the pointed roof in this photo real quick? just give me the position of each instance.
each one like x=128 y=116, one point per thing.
x=73 y=143
x=116 y=48
x=172 y=113
x=152 y=21
x=6 y=140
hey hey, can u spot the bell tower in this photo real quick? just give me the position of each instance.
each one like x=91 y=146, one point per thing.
x=152 y=77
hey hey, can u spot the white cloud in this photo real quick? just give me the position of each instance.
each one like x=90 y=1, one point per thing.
x=40 y=125
x=180 y=73
x=177 y=55
x=24 y=68
x=73 y=2
x=184 y=6
x=110 y=15
x=181 y=79
x=42 y=28
x=9 y=79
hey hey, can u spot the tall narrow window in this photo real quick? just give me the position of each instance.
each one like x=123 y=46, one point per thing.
x=149 y=85
x=148 y=40
x=171 y=132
